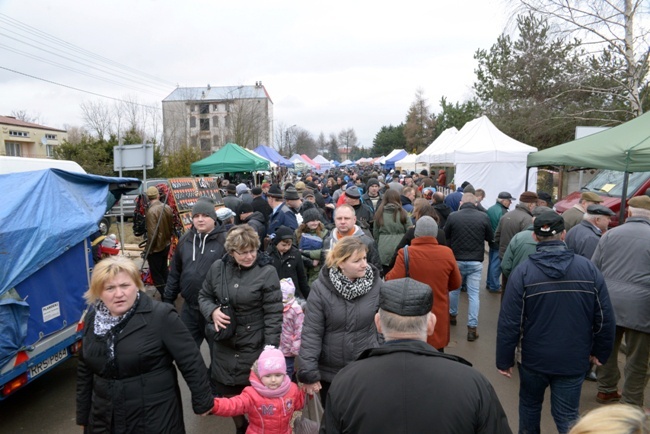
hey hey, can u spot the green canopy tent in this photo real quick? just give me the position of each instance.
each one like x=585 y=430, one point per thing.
x=624 y=148
x=230 y=158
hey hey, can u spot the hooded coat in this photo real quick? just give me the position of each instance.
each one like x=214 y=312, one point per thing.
x=556 y=306
x=290 y=265
x=257 y=222
x=255 y=296
x=390 y=233
x=194 y=255
x=144 y=397
x=336 y=330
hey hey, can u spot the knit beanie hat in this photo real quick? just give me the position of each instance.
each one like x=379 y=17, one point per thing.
x=241 y=188
x=205 y=205
x=282 y=233
x=426 y=227
x=310 y=215
x=225 y=213
x=288 y=290
x=271 y=361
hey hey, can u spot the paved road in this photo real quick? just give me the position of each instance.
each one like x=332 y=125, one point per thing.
x=48 y=405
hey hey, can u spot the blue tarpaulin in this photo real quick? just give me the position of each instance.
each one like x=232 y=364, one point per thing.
x=390 y=162
x=272 y=155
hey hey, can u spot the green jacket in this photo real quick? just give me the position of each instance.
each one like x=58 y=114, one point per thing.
x=388 y=235
x=520 y=247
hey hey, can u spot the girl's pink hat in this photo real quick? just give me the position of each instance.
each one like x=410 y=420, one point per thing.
x=271 y=361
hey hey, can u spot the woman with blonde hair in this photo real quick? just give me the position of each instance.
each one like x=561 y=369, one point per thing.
x=391 y=223
x=339 y=323
x=241 y=291
x=126 y=376
x=613 y=419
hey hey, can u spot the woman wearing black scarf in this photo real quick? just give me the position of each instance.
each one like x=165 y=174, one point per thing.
x=126 y=378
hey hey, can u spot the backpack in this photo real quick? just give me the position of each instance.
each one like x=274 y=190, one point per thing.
x=139 y=222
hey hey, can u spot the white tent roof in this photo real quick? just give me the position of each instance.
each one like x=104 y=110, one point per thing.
x=438 y=147
x=391 y=155
x=479 y=141
x=409 y=163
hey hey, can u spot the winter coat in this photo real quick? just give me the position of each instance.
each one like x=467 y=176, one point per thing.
x=406 y=204
x=495 y=212
x=233 y=202
x=521 y=246
x=312 y=255
x=144 y=397
x=256 y=221
x=331 y=238
x=467 y=230
x=194 y=255
x=406 y=386
x=290 y=265
x=364 y=214
x=453 y=199
x=292 y=319
x=254 y=294
x=556 y=306
x=408 y=237
x=159 y=235
x=260 y=204
x=510 y=224
x=444 y=211
x=265 y=415
x=573 y=216
x=624 y=259
x=583 y=238
x=434 y=265
x=366 y=199
x=390 y=233
x=336 y=330
x=283 y=216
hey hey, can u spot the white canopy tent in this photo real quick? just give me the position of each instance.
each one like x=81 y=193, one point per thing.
x=488 y=159
x=324 y=163
x=437 y=147
x=393 y=153
x=409 y=163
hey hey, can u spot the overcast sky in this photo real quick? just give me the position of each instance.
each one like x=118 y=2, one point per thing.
x=326 y=65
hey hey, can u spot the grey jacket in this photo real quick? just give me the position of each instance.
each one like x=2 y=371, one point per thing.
x=510 y=224
x=623 y=256
x=336 y=330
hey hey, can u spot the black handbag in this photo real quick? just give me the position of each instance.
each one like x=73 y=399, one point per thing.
x=229 y=331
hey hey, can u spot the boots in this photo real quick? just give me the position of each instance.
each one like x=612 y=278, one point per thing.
x=452 y=320
x=472 y=334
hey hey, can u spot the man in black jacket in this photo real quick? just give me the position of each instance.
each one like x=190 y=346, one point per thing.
x=406 y=385
x=201 y=246
x=467 y=230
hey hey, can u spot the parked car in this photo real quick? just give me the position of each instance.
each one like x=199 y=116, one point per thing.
x=609 y=185
x=128 y=199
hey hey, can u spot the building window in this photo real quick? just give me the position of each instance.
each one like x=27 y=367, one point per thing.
x=192 y=122
x=205 y=124
x=13 y=149
x=19 y=133
x=205 y=144
x=49 y=151
x=215 y=107
x=204 y=109
x=50 y=136
x=215 y=121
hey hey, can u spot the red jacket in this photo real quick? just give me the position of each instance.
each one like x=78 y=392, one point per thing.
x=435 y=265
x=265 y=415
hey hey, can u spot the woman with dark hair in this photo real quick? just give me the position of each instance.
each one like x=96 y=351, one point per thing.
x=309 y=240
x=339 y=322
x=246 y=284
x=126 y=376
x=391 y=223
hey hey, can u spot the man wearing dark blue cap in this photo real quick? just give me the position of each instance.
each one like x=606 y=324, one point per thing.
x=583 y=238
x=556 y=310
x=406 y=385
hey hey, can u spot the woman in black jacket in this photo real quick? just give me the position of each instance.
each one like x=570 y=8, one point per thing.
x=340 y=317
x=126 y=378
x=245 y=281
x=288 y=261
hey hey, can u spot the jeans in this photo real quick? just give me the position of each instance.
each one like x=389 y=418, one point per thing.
x=471 y=272
x=565 y=399
x=636 y=367
x=493 y=282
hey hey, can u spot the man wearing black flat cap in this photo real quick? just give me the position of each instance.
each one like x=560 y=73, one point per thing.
x=556 y=318
x=363 y=212
x=583 y=238
x=231 y=200
x=406 y=385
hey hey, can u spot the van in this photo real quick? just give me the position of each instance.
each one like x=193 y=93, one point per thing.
x=609 y=185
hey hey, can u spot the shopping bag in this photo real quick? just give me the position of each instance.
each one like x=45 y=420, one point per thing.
x=312 y=414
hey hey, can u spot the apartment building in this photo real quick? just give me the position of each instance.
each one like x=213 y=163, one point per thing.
x=25 y=139
x=209 y=117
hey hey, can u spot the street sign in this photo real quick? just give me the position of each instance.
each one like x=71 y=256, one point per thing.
x=133 y=157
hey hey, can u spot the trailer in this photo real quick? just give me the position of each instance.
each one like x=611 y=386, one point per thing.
x=46 y=226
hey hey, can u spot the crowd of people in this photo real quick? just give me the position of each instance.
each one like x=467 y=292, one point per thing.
x=347 y=285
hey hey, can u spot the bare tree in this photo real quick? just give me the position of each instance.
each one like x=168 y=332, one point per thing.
x=25 y=116
x=75 y=133
x=98 y=118
x=305 y=143
x=347 y=139
x=609 y=31
x=321 y=144
x=248 y=123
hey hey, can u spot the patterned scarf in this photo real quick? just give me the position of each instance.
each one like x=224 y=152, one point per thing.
x=108 y=327
x=352 y=289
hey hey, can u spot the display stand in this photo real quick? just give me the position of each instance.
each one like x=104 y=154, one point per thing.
x=187 y=191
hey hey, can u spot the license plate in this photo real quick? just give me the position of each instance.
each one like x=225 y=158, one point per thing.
x=48 y=363
x=128 y=202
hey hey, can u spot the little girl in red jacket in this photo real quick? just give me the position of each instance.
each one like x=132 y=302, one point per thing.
x=269 y=401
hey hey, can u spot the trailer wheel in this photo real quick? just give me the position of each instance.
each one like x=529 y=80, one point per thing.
x=104 y=225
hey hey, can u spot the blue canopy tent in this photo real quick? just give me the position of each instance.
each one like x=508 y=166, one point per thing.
x=394 y=157
x=272 y=155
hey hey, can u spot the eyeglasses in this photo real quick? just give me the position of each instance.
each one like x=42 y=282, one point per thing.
x=247 y=253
